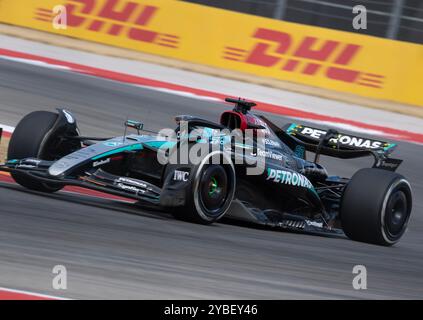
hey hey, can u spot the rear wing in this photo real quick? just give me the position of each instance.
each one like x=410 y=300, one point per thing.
x=342 y=141
x=342 y=145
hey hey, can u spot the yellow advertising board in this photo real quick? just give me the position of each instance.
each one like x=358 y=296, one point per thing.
x=343 y=61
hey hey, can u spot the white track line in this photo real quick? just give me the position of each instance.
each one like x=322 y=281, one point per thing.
x=6 y=128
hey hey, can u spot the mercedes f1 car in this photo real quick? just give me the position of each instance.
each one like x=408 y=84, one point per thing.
x=46 y=152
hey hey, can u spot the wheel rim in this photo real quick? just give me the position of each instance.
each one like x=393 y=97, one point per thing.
x=213 y=186
x=396 y=213
x=213 y=190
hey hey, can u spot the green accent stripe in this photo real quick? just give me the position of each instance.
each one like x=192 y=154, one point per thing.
x=389 y=146
x=126 y=148
x=291 y=128
x=160 y=144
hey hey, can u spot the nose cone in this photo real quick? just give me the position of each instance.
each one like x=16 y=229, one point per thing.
x=59 y=167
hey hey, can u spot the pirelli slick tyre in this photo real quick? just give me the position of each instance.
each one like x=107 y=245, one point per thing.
x=30 y=139
x=376 y=206
x=211 y=192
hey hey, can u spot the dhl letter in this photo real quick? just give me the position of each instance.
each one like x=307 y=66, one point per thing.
x=347 y=54
x=73 y=19
x=108 y=10
x=344 y=58
x=142 y=20
x=342 y=74
x=322 y=54
x=145 y=16
x=259 y=56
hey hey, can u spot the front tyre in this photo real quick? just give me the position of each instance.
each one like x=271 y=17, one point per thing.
x=38 y=135
x=376 y=206
x=211 y=192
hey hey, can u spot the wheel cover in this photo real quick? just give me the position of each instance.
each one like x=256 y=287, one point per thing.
x=396 y=213
x=229 y=168
x=396 y=210
x=213 y=190
x=213 y=186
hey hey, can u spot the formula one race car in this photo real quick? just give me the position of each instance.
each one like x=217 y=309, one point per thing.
x=46 y=152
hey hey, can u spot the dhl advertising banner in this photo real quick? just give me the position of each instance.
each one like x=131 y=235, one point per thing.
x=342 y=61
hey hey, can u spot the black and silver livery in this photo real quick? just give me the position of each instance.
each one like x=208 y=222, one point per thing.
x=47 y=152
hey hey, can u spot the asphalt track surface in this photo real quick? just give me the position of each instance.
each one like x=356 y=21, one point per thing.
x=117 y=250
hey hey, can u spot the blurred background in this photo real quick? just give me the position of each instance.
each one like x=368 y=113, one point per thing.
x=310 y=46
x=393 y=19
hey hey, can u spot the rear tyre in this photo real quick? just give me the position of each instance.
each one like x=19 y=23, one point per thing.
x=212 y=192
x=30 y=139
x=376 y=206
